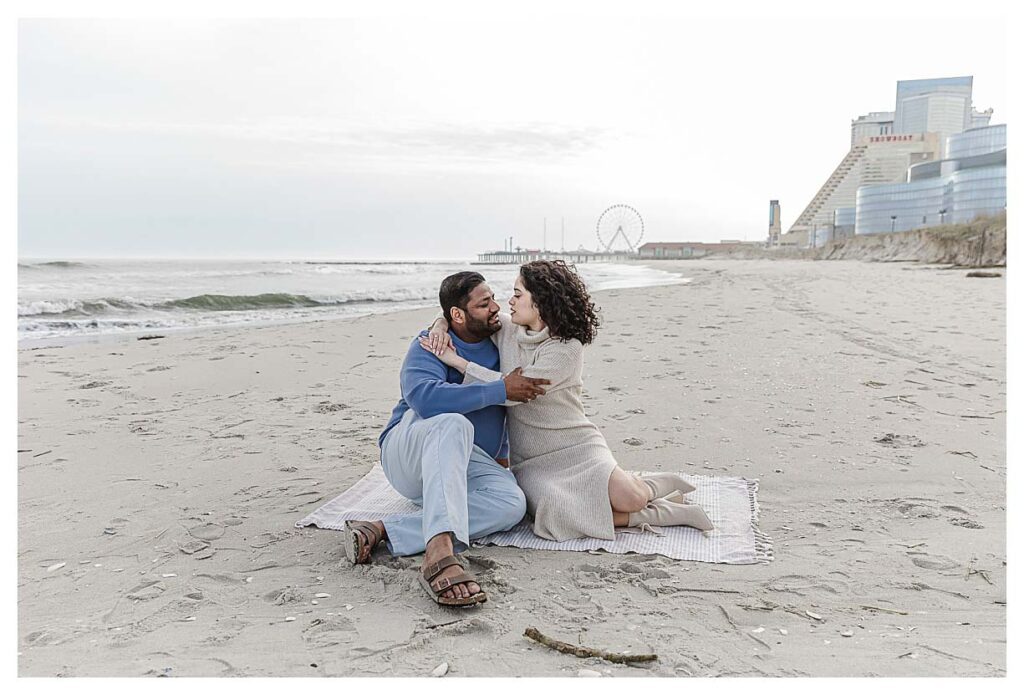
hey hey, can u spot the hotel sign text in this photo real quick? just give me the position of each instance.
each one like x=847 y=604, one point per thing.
x=891 y=138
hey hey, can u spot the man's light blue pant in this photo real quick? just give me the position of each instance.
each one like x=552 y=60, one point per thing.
x=434 y=463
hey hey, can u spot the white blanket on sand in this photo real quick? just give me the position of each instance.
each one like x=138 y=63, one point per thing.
x=731 y=504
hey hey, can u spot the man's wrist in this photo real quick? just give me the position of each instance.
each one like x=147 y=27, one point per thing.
x=502 y=395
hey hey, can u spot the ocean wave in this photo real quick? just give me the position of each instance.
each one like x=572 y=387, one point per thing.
x=92 y=324
x=230 y=273
x=76 y=308
x=389 y=263
x=283 y=300
x=230 y=302
x=53 y=264
x=42 y=307
x=338 y=269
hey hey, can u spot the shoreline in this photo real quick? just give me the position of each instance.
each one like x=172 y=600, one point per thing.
x=868 y=402
x=368 y=308
x=132 y=336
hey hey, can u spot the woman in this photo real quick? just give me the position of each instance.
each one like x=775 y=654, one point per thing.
x=574 y=488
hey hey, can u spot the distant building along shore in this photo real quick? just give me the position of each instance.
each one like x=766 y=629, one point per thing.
x=689 y=249
x=521 y=256
x=650 y=250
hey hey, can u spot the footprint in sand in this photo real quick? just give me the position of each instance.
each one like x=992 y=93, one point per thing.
x=921 y=508
x=594 y=569
x=223 y=589
x=479 y=562
x=630 y=568
x=330 y=631
x=930 y=561
x=325 y=407
x=114 y=526
x=958 y=516
x=281 y=597
x=207 y=532
x=141 y=427
x=802 y=585
x=914 y=508
x=899 y=440
x=225 y=630
x=146 y=590
x=654 y=573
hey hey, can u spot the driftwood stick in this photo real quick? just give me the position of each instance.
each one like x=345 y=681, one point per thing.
x=884 y=610
x=586 y=652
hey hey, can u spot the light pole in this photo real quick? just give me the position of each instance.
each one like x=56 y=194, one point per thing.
x=893 y=218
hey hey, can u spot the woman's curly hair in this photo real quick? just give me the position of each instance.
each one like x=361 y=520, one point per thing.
x=562 y=300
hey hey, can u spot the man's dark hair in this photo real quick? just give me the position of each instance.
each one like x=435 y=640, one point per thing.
x=455 y=291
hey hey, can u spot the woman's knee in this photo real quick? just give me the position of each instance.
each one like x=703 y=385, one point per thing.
x=628 y=501
x=625 y=493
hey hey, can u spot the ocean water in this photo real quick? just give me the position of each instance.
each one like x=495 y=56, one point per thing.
x=62 y=301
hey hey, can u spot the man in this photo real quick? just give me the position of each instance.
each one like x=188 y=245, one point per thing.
x=446 y=449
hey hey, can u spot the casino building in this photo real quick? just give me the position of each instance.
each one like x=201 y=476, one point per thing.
x=921 y=135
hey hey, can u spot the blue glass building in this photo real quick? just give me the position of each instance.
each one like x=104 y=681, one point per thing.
x=969 y=183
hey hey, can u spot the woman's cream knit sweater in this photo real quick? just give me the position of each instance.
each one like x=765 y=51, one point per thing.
x=559 y=458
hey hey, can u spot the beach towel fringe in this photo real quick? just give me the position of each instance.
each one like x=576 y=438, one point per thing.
x=763 y=546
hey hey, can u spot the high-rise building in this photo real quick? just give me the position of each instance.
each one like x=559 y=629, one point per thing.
x=774 y=223
x=941 y=105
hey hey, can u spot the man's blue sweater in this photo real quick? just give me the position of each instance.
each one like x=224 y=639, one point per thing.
x=430 y=388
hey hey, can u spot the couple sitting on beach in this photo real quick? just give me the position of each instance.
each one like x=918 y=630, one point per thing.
x=447 y=448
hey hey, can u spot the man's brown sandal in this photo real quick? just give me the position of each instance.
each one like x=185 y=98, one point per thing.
x=428 y=574
x=356 y=545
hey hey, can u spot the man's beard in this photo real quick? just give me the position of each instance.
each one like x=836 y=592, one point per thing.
x=481 y=329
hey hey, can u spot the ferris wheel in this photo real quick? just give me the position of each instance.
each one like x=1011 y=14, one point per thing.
x=620 y=221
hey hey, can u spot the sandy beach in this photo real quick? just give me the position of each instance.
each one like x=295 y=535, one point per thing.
x=159 y=482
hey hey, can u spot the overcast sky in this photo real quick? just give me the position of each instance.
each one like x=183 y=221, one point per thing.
x=438 y=139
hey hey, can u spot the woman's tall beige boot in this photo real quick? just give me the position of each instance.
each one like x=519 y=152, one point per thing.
x=664 y=484
x=665 y=512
